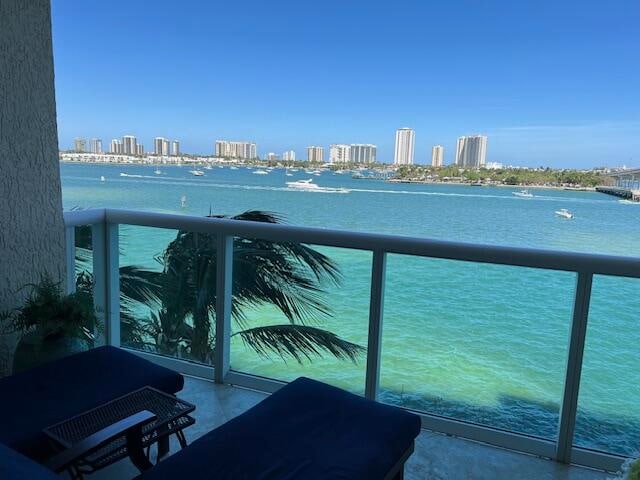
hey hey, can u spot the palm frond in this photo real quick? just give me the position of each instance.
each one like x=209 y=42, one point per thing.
x=141 y=285
x=298 y=342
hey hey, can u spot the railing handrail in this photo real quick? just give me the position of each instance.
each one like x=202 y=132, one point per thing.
x=597 y=264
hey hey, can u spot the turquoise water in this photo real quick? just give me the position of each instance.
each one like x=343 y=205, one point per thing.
x=481 y=343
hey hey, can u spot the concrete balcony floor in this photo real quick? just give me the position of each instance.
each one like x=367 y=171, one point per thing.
x=436 y=456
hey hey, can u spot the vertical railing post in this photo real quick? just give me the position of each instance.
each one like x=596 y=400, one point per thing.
x=224 y=276
x=106 y=274
x=70 y=259
x=374 y=342
x=569 y=406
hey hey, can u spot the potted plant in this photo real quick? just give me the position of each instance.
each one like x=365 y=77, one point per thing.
x=52 y=324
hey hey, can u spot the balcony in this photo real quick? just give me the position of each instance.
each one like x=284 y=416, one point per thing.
x=567 y=429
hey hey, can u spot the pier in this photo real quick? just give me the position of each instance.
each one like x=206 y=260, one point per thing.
x=627 y=185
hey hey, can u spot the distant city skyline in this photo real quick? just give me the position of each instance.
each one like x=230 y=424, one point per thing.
x=548 y=83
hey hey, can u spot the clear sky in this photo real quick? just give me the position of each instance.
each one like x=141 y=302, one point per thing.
x=550 y=82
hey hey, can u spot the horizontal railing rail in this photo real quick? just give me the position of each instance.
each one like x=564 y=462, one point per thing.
x=595 y=264
x=105 y=224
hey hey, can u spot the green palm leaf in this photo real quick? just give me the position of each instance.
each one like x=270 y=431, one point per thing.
x=298 y=342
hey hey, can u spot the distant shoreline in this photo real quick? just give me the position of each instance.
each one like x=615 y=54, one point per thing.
x=392 y=180
x=497 y=185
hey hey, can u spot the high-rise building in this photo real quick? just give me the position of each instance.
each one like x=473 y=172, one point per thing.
x=405 y=138
x=129 y=145
x=116 y=146
x=315 y=154
x=471 y=151
x=139 y=149
x=80 y=145
x=362 y=153
x=95 y=145
x=437 y=156
x=272 y=156
x=175 y=148
x=289 y=156
x=161 y=146
x=339 y=153
x=242 y=150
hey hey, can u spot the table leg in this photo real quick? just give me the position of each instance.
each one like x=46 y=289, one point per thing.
x=181 y=438
x=136 y=451
x=163 y=447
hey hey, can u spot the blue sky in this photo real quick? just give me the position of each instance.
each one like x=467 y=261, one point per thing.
x=550 y=82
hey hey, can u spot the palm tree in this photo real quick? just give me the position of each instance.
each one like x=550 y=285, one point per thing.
x=289 y=276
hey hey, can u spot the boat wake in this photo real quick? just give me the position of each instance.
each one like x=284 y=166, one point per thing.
x=164 y=180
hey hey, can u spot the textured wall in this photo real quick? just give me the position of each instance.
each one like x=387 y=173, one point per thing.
x=31 y=226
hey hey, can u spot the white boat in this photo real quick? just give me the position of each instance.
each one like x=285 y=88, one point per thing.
x=564 y=213
x=523 y=193
x=183 y=201
x=102 y=179
x=303 y=185
x=260 y=172
x=196 y=173
x=286 y=172
x=158 y=172
x=233 y=168
x=309 y=186
x=208 y=167
x=628 y=202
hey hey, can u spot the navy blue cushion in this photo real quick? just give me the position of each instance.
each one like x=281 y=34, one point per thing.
x=306 y=430
x=42 y=396
x=16 y=466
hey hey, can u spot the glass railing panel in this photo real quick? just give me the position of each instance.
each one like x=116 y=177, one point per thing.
x=608 y=417
x=84 y=276
x=167 y=292
x=289 y=322
x=476 y=342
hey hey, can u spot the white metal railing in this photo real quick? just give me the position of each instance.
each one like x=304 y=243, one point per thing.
x=105 y=223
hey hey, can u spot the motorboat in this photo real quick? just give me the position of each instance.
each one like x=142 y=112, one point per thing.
x=102 y=179
x=196 y=173
x=523 y=193
x=309 y=186
x=303 y=184
x=260 y=172
x=564 y=213
x=158 y=172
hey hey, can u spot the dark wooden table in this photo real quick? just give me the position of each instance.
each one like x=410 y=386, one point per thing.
x=172 y=417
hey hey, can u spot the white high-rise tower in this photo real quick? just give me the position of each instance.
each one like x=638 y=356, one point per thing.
x=129 y=145
x=437 y=156
x=471 y=151
x=405 y=138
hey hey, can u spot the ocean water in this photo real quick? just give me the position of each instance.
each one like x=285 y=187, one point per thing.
x=480 y=343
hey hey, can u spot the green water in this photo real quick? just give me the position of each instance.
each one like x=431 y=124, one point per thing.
x=481 y=343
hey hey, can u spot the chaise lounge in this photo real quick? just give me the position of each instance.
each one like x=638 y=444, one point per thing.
x=306 y=430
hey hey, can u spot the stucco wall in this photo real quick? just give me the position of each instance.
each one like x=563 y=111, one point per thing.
x=31 y=227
